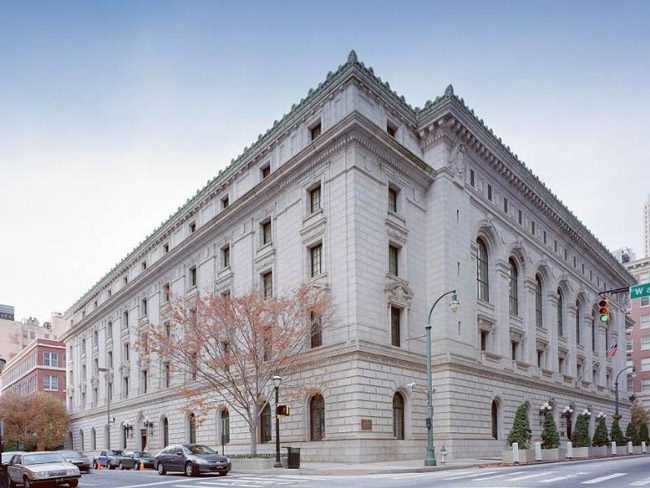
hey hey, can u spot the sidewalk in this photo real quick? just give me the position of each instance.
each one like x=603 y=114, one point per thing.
x=409 y=466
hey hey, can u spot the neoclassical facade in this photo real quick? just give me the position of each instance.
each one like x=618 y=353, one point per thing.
x=388 y=206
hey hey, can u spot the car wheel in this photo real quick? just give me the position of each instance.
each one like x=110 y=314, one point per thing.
x=74 y=483
x=110 y=466
x=189 y=469
x=223 y=473
x=161 y=469
x=121 y=466
x=26 y=482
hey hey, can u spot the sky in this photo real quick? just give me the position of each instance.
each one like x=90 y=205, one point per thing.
x=113 y=113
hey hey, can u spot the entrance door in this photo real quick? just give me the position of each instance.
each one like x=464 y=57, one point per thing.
x=143 y=439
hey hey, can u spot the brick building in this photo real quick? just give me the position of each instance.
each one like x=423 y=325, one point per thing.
x=638 y=337
x=38 y=367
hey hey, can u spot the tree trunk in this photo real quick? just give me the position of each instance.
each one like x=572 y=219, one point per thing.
x=253 y=431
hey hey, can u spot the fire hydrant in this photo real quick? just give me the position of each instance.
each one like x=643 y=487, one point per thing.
x=443 y=455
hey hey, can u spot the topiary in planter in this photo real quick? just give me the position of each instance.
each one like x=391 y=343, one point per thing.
x=643 y=433
x=550 y=435
x=520 y=433
x=616 y=433
x=632 y=434
x=600 y=435
x=580 y=437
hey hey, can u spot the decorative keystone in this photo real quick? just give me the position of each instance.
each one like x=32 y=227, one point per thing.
x=352 y=57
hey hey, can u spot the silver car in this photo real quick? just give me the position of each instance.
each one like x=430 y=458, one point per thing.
x=41 y=468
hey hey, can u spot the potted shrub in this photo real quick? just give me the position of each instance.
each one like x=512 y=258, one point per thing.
x=521 y=434
x=643 y=434
x=617 y=434
x=632 y=434
x=580 y=438
x=600 y=439
x=550 y=438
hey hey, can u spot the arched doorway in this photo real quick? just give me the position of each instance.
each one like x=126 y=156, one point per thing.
x=398 y=416
x=316 y=418
x=495 y=419
x=191 y=428
x=165 y=432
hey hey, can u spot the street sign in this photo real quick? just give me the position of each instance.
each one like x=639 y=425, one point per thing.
x=640 y=291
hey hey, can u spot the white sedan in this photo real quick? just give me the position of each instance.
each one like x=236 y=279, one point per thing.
x=32 y=469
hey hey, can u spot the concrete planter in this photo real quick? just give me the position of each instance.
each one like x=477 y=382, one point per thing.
x=602 y=451
x=558 y=454
x=581 y=452
x=525 y=456
x=637 y=450
x=254 y=463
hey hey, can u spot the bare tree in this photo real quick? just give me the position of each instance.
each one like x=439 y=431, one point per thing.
x=230 y=347
x=35 y=421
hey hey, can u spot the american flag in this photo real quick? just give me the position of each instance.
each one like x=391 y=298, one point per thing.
x=612 y=351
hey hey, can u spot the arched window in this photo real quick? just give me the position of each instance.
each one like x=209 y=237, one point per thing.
x=165 y=432
x=316 y=418
x=482 y=280
x=398 y=416
x=93 y=439
x=593 y=334
x=513 y=282
x=125 y=434
x=495 y=419
x=265 y=424
x=539 y=319
x=560 y=314
x=191 y=428
x=225 y=426
x=578 y=339
x=81 y=440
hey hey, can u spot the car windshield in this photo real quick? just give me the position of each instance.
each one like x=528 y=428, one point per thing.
x=6 y=456
x=200 y=450
x=145 y=454
x=115 y=453
x=71 y=453
x=50 y=457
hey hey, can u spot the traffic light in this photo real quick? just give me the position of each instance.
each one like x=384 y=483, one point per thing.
x=603 y=309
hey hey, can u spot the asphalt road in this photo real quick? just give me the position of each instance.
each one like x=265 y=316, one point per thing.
x=607 y=473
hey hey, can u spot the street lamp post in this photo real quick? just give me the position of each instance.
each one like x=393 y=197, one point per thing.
x=276 y=382
x=3 y=472
x=108 y=408
x=616 y=387
x=430 y=459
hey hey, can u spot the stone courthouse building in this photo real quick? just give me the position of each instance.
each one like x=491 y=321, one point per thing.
x=388 y=206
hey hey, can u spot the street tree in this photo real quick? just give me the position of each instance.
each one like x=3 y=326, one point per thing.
x=600 y=435
x=36 y=421
x=580 y=437
x=521 y=432
x=228 y=348
x=639 y=414
x=550 y=435
x=616 y=432
x=632 y=434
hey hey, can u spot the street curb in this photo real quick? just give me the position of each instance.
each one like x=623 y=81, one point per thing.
x=361 y=471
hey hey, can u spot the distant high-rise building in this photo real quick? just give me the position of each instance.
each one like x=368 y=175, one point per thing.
x=624 y=255
x=646 y=227
x=6 y=312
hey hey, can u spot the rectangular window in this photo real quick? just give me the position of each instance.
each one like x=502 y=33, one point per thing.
x=225 y=201
x=520 y=218
x=109 y=330
x=192 y=227
x=225 y=257
x=167 y=379
x=484 y=340
x=51 y=359
x=316 y=260
x=555 y=246
x=267 y=284
x=645 y=343
x=579 y=370
x=126 y=351
x=192 y=276
x=145 y=381
x=395 y=326
x=316 y=330
x=314 y=199
x=50 y=383
x=561 y=364
x=514 y=350
x=392 y=200
x=144 y=265
x=540 y=358
x=266 y=232
x=644 y=321
x=315 y=131
x=393 y=260
x=145 y=309
x=125 y=387
x=645 y=364
x=532 y=227
x=471 y=177
x=566 y=254
x=265 y=170
x=489 y=192
x=645 y=385
x=110 y=292
x=126 y=318
x=391 y=129
x=505 y=204
x=166 y=293
x=110 y=359
x=544 y=237
x=165 y=247
x=628 y=345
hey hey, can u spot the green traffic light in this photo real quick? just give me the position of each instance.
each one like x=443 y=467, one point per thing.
x=604 y=318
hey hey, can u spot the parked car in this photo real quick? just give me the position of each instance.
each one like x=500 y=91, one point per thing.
x=141 y=457
x=40 y=468
x=191 y=459
x=77 y=458
x=6 y=456
x=113 y=458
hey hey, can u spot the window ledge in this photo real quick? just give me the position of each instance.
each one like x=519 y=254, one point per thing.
x=491 y=357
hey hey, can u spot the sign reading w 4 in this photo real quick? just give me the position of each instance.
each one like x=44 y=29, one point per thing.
x=640 y=291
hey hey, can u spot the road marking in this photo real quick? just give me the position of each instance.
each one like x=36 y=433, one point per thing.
x=149 y=484
x=498 y=476
x=641 y=482
x=528 y=476
x=565 y=477
x=603 y=478
x=474 y=475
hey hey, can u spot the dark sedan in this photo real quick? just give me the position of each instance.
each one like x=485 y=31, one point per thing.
x=141 y=457
x=78 y=459
x=191 y=459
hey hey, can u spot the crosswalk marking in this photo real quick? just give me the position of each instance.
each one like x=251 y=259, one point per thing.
x=535 y=475
x=498 y=476
x=641 y=482
x=474 y=475
x=603 y=478
x=565 y=477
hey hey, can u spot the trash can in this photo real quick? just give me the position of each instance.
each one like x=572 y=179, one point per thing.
x=293 y=457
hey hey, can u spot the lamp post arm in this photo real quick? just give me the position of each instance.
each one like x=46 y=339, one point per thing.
x=436 y=303
x=616 y=388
